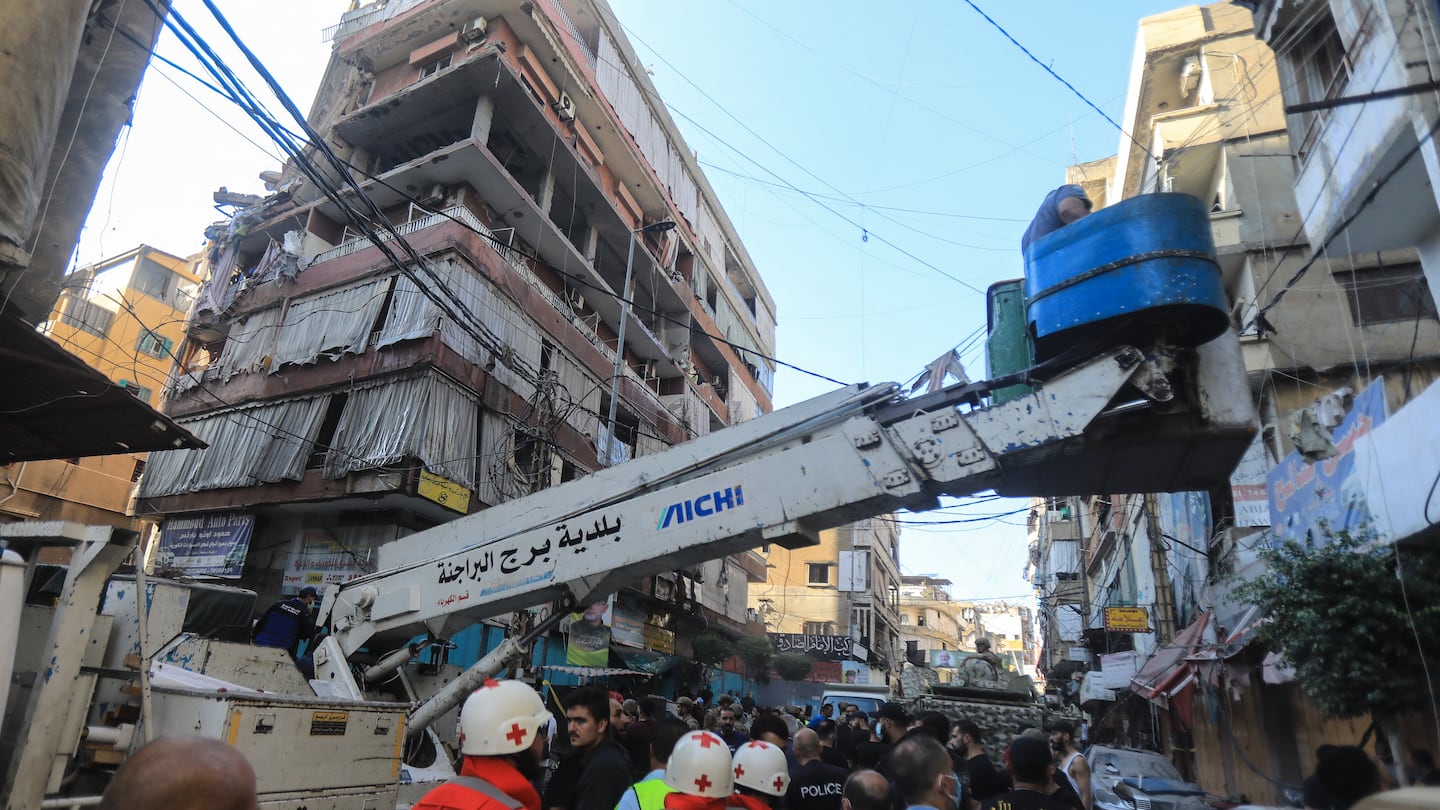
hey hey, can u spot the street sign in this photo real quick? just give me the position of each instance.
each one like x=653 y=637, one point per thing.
x=1127 y=620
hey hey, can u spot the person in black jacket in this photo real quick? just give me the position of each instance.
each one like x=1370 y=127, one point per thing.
x=600 y=766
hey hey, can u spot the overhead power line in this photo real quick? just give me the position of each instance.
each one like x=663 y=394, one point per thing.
x=1061 y=79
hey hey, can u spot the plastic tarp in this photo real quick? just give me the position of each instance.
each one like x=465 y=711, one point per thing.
x=427 y=417
x=248 y=445
x=330 y=324
x=1167 y=679
x=249 y=343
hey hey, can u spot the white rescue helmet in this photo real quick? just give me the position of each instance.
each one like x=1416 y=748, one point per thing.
x=501 y=718
x=700 y=766
x=762 y=766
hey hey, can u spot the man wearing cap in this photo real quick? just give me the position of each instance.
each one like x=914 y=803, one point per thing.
x=287 y=622
x=500 y=746
x=683 y=706
x=1031 y=767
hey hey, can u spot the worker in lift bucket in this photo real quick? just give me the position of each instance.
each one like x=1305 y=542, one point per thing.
x=288 y=622
x=502 y=736
x=1061 y=207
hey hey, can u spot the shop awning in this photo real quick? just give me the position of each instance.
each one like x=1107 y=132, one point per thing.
x=1167 y=673
x=648 y=661
x=55 y=406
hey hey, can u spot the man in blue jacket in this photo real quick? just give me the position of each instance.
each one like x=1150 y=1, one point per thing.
x=286 y=623
x=1061 y=207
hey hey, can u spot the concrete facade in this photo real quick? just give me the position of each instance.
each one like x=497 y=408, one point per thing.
x=847 y=585
x=521 y=154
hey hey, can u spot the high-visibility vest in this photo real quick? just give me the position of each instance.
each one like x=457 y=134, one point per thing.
x=651 y=793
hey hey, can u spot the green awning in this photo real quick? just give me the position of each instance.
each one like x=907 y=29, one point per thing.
x=646 y=661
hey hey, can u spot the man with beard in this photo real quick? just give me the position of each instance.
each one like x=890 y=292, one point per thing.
x=500 y=746
x=733 y=737
x=1072 y=764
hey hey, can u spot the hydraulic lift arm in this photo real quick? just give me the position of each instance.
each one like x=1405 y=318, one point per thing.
x=783 y=477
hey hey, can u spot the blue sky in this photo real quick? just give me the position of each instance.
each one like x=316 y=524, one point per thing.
x=880 y=162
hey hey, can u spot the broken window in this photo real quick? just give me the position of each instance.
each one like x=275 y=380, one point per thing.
x=431 y=68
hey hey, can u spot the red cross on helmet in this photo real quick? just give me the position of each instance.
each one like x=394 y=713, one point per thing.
x=762 y=766
x=700 y=766
x=501 y=718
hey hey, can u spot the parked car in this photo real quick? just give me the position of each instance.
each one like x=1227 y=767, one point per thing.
x=1127 y=779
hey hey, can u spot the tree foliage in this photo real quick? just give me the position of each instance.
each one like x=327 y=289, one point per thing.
x=1338 y=616
x=757 y=651
x=792 y=666
x=711 y=649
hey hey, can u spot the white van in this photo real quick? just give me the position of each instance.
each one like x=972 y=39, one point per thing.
x=867 y=697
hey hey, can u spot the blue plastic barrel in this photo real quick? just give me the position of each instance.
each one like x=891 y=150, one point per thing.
x=1138 y=272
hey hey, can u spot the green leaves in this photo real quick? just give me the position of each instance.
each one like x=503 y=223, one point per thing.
x=1338 y=614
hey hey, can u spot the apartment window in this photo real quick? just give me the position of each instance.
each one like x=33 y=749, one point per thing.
x=155 y=280
x=819 y=574
x=431 y=68
x=140 y=392
x=819 y=628
x=1319 y=70
x=86 y=316
x=154 y=345
x=1387 y=294
x=138 y=471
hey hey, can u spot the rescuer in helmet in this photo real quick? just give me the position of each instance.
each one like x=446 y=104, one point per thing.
x=501 y=738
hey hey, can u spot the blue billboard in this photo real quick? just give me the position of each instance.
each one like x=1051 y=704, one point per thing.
x=1308 y=498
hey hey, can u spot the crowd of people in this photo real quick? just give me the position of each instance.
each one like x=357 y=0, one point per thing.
x=614 y=754
x=650 y=754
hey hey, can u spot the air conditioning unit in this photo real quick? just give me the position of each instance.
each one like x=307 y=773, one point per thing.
x=577 y=301
x=435 y=196
x=474 y=31
x=565 y=107
x=650 y=371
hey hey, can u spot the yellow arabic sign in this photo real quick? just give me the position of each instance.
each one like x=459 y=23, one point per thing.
x=443 y=491
x=1127 y=620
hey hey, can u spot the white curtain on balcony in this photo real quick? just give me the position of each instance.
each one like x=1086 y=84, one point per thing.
x=249 y=343
x=426 y=417
x=248 y=445
x=330 y=324
x=412 y=315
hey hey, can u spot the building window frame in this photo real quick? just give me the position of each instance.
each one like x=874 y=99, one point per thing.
x=818 y=573
x=1396 y=293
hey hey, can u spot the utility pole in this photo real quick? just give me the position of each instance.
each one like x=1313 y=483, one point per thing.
x=1165 y=616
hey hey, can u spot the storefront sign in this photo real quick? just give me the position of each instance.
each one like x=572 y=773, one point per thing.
x=1117 y=670
x=1247 y=486
x=443 y=491
x=821 y=647
x=1308 y=499
x=210 y=545
x=1127 y=620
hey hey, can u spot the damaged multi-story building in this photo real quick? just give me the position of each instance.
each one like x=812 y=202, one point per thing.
x=582 y=299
